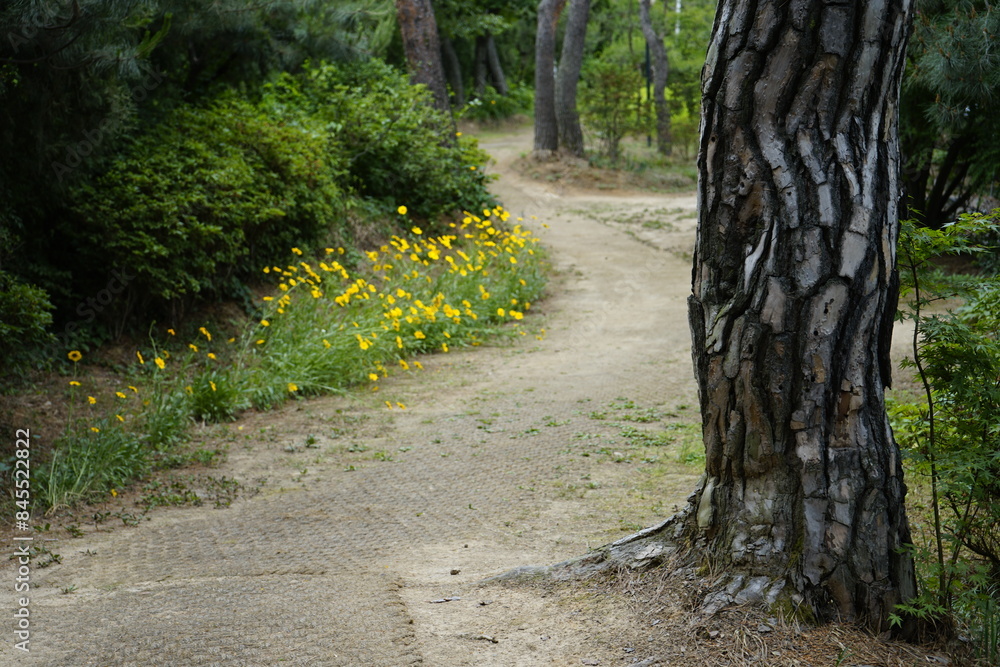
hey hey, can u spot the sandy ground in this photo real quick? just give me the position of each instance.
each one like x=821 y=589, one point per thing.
x=369 y=519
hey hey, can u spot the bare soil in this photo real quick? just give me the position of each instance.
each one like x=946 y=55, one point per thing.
x=361 y=536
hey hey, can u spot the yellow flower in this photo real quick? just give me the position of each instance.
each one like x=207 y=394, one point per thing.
x=500 y=312
x=296 y=251
x=326 y=343
x=114 y=494
x=120 y=394
x=444 y=347
x=74 y=383
x=231 y=340
x=419 y=335
x=91 y=400
x=401 y=210
x=193 y=347
x=212 y=385
x=388 y=405
x=401 y=406
x=135 y=389
x=402 y=364
x=75 y=356
x=373 y=377
x=265 y=323
x=120 y=418
x=516 y=315
x=260 y=341
x=171 y=332
x=473 y=167
x=417 y=230
x=205 y=333
x=160 y=363
x=95 y=429
x=458 y=134
x=292 y=387
x=211 y=355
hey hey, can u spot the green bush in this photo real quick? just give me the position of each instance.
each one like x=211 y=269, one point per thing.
x=25 y=314
x=608 y=101
x=397 y=146
x=951 y=436
x=492 y=106
x=205 y=194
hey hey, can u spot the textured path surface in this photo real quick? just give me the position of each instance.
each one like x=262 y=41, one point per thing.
x=496 y=463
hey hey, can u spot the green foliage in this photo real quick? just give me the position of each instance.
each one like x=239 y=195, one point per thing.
x=949 y=117
x=609 y=101
x=204 y=192
x=25 y=314
x=491 y=106
x=87 y=463
x=397 y=147
x=952 y=436
x=215 y=396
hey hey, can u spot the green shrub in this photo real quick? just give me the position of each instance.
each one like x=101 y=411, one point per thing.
x=492 y=106
x=397 y=146
x=25 y=314
x=205 y=193
x=951 y=436
x=609 y=101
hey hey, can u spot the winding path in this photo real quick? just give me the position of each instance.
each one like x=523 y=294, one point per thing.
x=497 y=462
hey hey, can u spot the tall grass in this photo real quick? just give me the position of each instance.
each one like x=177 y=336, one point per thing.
x=325 y=329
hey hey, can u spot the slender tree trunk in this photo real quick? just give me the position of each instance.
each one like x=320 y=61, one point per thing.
x=454 y=70
x=481 y=73
x=660 y=72
x=496 y=70
x=546 y=127
x=792 y=296
x=570 y=63
x=422 y=47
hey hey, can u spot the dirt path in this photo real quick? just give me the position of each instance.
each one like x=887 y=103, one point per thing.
x=505 y=456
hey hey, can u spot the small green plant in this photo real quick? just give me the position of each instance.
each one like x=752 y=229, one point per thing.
x=952 y=436
x=492 y=106
x=608 y=101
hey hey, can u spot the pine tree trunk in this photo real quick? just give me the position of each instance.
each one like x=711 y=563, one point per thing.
x=423 y=49
x=481 y=67
x=546 y=127
x=661 y=71
x=570 y=63
x=496 y=70
x=792 y=303
x=453 y=70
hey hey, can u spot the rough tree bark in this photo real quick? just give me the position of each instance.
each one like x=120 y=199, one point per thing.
x=570 y=63
x=423 y=49
x=794 y=292
x=546 y=126
x=661 y=70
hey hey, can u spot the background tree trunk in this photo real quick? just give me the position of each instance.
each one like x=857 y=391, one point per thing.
x=546 y=127
x=480 y=74
x=422 y=47
x=453 y=70
x=661 y=70
x=570 y=63
x=792 y=295
x=496 y=70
